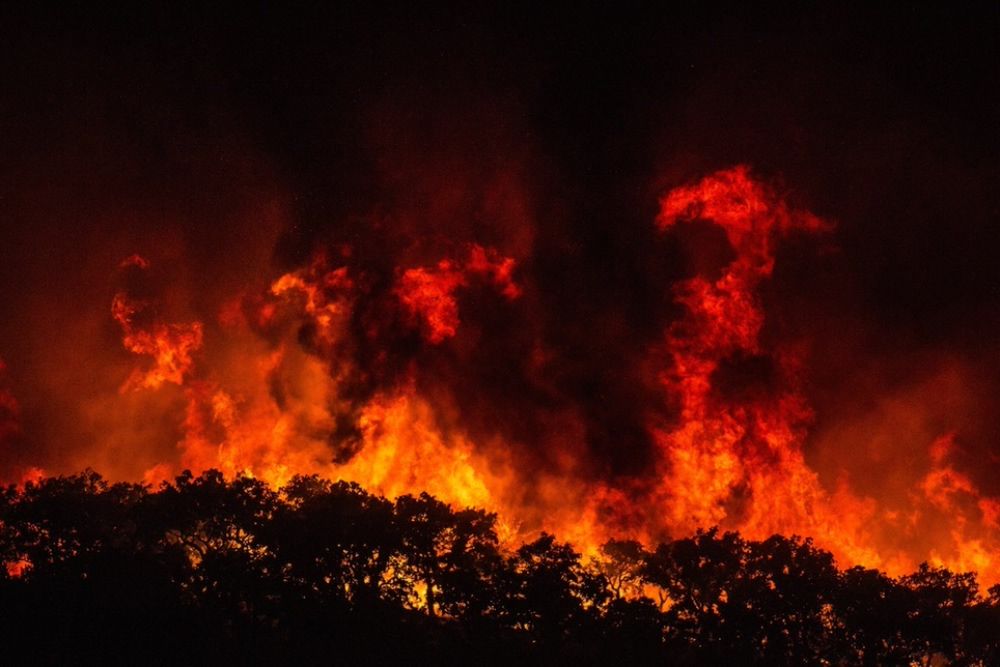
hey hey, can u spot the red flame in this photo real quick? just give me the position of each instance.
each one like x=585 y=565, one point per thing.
x=299 y=378
x=428 y=295
x=170 y=345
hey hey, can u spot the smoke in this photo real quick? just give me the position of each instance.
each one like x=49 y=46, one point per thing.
x=9 y=410
x=374 y=247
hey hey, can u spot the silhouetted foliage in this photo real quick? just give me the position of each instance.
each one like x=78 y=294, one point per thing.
x=208 y=570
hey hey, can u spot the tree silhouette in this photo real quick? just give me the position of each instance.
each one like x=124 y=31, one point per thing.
x=937 y=602
x=337 y=541
x=622 y=563
x=216 y=571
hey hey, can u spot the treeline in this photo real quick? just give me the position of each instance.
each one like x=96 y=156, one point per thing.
x=209 y=571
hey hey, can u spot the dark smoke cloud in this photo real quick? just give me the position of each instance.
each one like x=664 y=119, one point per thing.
x=231 y=146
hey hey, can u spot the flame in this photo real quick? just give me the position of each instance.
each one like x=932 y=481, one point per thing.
x=246 y=430
x=170 y=345
x=740 y=463
x=17 y=568
x=296 y=376
x=428 y=295
x=721 y=449
x=405 y=451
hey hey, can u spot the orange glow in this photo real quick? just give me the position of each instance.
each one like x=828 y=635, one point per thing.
x=170 y=345
x=740 y=464
x=11 y=431
x=17 y=568
x=275 y=386
x=10 y=409
x=33 y=475
x=751 y=451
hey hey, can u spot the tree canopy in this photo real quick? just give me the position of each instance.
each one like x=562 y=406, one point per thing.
x=207 y=570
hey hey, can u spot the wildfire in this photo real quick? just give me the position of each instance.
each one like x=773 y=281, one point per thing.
x=739 y=463
x=321 y=371
x=170 y=345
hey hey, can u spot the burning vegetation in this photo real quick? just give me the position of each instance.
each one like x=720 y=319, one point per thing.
x=355 y=370
x=660 y=323
x=222 y=571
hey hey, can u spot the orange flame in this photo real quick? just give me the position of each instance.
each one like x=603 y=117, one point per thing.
x=279 y=390
x=170 y=345
x=740 y=463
